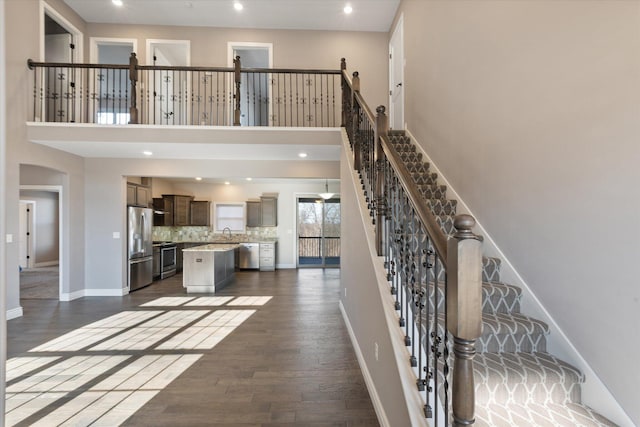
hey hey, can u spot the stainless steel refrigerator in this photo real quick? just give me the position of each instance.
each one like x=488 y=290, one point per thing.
x=140 y=246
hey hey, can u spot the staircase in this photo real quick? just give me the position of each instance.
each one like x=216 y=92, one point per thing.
x=517 y=382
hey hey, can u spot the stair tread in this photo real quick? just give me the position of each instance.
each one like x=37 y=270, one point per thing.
x=547 y=415
x=512 y=323
x=524 y=367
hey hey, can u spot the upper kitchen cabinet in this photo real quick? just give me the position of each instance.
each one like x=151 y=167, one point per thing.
x=263 y=213
x=138 y=195
x=172 y=210
x=269 y=211
x=200 y=212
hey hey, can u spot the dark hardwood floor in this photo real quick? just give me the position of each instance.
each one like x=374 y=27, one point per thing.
x=289 y=363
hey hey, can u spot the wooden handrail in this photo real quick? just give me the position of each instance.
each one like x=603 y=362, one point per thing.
x=438 y=237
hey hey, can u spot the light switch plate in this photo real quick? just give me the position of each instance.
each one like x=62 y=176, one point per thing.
x=9 y=238
x=116 y=234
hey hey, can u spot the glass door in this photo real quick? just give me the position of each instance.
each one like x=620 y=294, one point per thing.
x=318 y=232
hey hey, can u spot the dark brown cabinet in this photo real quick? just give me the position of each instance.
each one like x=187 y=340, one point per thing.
x=172 y=210
x=200 y=213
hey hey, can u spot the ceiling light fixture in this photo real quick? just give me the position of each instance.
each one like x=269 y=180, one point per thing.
x=147 y=153
x=348 y=9
x=249 y=179
x=198 y=178
x=302 y=155
x=117 y=2
x=326 y=195
x=238 y=6
x=227 y=183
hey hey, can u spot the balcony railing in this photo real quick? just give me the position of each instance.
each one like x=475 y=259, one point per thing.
x=194 y=96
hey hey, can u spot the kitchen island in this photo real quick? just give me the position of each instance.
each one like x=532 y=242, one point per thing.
x=208 y=268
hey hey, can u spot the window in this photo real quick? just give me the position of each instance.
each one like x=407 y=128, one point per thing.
x=112 y=118
x=230 y=215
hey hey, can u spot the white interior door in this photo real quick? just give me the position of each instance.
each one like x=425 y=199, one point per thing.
x=170 y=89
x=396 y=78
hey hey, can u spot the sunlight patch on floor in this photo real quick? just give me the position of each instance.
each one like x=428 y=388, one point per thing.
x=167 y=302
x=250 y=301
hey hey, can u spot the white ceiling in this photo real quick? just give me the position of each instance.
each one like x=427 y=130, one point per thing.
x=367 y=15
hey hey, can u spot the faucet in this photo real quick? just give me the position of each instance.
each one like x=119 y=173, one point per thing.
x=226 y=229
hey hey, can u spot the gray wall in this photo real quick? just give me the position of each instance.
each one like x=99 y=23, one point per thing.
x=531 y=109
x=21 y=21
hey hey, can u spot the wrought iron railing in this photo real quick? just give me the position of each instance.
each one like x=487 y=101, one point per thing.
x=435 y=283
x=170 y=95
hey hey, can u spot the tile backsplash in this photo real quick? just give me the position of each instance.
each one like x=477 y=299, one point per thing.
x=207 y=234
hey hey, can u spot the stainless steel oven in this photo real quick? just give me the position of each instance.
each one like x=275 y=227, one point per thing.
x=168 y=258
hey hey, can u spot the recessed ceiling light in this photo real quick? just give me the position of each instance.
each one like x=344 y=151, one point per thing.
x=147 y=153
x=238 y=6
x=302 y=155
x=227 y=183
x=348 y=9
x=117 y=2
x=198 y=178
x=249 y=179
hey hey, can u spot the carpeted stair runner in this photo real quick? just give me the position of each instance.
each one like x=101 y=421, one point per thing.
x=517 y=382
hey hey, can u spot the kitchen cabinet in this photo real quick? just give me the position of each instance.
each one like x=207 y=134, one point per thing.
x=200 y=213
x=267 y=256
x=254 y=214
x=176 y=210
x=269 y=211
x=263 y=213
x=138 y=195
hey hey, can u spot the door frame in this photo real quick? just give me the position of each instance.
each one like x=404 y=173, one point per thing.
x=231 y=46
x=62 y=272
x=296 y=240
x=77 y=36
x=94 y=42
x=397 y=35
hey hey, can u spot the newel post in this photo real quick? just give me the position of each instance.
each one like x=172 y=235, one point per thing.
x=355 y=122
x=382 y=128
x=464 y=312
x=133 y=77
x=237 y=78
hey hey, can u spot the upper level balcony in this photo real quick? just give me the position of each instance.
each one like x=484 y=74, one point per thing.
x=75 y=105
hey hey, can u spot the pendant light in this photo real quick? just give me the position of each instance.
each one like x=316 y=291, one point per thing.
x=326 y=195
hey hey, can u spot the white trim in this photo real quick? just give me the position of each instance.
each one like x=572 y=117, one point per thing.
x=72 y=295
x=594 y=392
x=399 y=27
x=285 y=266
x=46 y=264
x=106 y=292
x=14 y=313
x=371 y=387
x=149 y=42
x=256 y=45
x=115 y=41
x=78 y=36
x=61 y=241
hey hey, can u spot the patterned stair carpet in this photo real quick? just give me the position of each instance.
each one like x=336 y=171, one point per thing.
x=517 y=382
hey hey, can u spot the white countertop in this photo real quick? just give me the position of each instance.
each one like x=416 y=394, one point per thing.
x=213 y=247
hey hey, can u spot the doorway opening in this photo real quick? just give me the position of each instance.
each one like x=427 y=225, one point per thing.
x=318 y=227
x=170 y=89
x=112 y=85
x=60 y=42
x=39 y=243
x=255 y=90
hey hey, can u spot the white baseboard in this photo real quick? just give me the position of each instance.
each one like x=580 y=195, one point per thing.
x=286 y=266
x=72 y=295
x=106 y=292
x=594 y=392
x=14 y=313
x=371 y=387
x=46 y=264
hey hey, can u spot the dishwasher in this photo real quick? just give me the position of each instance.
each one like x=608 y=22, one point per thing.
x=249 y=256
